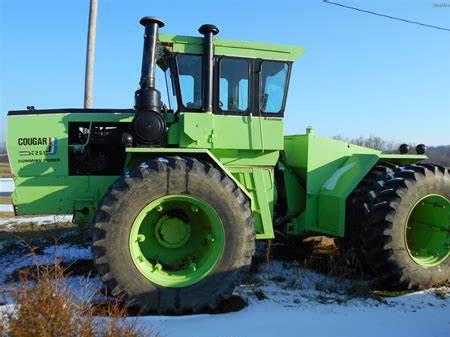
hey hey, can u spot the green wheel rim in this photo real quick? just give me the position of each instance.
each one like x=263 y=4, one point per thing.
x=177 y=240
x=427 y=232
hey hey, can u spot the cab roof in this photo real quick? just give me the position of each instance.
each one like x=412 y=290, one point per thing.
x=194 y=45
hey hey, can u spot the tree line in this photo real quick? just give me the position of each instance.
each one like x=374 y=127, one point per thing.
x=437 y=154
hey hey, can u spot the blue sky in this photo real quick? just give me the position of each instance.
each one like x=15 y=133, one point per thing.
x=361 y=75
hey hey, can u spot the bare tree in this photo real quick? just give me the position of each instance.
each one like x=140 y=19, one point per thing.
x=440 y=154
x=372 y=142
x=437 y=154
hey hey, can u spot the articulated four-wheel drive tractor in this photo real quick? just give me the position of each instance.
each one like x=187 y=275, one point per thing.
x=178 y=196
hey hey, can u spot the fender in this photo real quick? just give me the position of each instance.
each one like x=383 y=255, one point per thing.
x=335 y=191
x=173 y=151
x=332 y=170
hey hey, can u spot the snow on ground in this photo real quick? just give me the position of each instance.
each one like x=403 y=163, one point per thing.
x=21 y=257
x=6 y=208
x=69 y=252
x=271 y=319
x=10 y=222
x=6 y=185
x=6 y=188
x=284 y=299
x=301 y=302
x=17 y=256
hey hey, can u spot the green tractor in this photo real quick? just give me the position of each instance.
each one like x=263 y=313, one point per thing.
x=178 y=196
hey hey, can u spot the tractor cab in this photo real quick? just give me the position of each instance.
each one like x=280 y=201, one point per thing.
x=228 y=108
x=244 y=83
x=216 y=86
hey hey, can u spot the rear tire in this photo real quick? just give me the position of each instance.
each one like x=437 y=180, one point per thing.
x=357 y=209
x=179 y=179
x=405 y=237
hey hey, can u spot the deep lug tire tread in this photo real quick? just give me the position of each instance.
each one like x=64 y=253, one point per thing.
x=357 y=212
x=172 y=175
x=381 y=232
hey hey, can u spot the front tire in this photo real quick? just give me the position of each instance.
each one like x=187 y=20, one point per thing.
x=173 y=236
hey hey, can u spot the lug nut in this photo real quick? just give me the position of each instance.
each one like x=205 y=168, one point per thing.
x=194 y=209
x=140 y=238
x=434 y=204
x=159 y=208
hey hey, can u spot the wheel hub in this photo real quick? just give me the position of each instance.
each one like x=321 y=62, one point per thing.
x=176 y=240
x=172 y=232
x=428 y=231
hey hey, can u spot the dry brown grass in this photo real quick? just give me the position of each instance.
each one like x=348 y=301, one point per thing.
x=5 y=170
x=5 y=200
x=2 y=328
x=47 y=308
x=322 y=254
x=343 y=263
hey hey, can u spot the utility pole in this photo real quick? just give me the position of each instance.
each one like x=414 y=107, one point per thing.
x=90 y=56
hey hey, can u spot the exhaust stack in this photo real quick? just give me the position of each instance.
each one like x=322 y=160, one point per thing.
x=148 y=124
x=208 y=31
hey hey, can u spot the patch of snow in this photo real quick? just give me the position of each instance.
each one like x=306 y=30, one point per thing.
x=83 y=288
x=144 y=165
x=86 y=288
x=287 y=283
x=6 y=310
x=6 y=208
x=37 y=220
x=69 y=252
x=6 y=185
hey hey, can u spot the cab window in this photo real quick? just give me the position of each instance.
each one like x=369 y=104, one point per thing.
x=234 y=85
x=273 y=86
x=190 y=78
